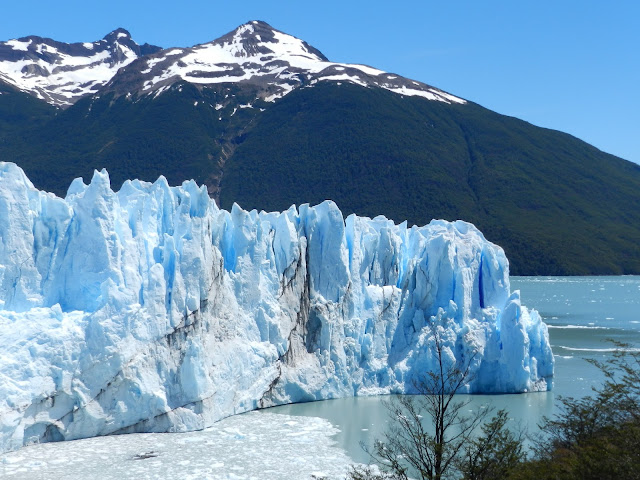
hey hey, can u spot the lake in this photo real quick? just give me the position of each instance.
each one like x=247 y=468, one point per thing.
x=322 y=438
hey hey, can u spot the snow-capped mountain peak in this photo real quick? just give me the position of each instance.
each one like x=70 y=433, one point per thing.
x=61 y=73
x=254 y=55
x=116 y=35
x=258 y=38
x=268 y=60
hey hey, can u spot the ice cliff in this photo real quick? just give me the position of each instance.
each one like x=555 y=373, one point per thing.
x=150 y=309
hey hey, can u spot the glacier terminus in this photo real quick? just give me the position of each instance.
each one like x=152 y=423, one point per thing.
x=150 y=309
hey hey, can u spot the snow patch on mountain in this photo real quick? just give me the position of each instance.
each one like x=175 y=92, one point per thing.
x=150 y=309
x=18 y=45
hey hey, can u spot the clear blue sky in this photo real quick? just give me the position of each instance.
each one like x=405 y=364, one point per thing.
x=572 y=65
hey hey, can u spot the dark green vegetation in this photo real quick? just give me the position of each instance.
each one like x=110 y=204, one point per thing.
x=555 y=204
x=144 y=139
x=597 y=437
x=593 y=438
x=19 y=111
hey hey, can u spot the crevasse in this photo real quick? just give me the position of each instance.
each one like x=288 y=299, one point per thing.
x=150 y=309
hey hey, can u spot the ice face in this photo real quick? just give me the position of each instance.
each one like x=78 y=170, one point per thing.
x=149 y=309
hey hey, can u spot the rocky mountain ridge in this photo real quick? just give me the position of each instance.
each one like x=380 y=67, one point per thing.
x=255 y=54
x=61 y=73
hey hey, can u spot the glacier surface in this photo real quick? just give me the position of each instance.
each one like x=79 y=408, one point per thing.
x=151 y=310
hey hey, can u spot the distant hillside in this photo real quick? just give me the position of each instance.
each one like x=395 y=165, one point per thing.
x=20 y=111
x=266 y=129
x=556 y=204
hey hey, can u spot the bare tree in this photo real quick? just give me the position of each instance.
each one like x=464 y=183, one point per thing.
x=432 y=432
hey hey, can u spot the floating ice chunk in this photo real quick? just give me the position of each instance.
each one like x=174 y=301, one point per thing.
x=239 y=448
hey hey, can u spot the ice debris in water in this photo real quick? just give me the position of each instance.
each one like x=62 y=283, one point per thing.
x=151 y=310
x=244 y=447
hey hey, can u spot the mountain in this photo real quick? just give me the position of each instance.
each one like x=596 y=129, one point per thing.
x=259 y=57
x=150 y=309
x=61 y=73
x=266 y=120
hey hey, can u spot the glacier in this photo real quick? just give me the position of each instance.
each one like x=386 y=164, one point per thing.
x=150 y=309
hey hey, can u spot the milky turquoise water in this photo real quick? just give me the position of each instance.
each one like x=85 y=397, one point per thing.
x=582 y=314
